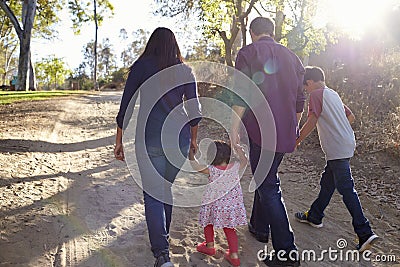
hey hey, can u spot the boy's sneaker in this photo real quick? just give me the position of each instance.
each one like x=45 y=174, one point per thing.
x=163 y=261
x=366 y=242
x=303 y=217
x=276 y=262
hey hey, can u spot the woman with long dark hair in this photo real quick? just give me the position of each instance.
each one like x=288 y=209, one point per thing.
x=166 y=129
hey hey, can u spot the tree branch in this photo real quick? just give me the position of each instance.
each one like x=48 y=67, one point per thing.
x=251 y=5
x=256 y=9
x=265 y=9
x=293 y=11
x=223 y=36
x=13 y=19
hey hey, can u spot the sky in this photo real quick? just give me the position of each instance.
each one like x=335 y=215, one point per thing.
x=355 y=16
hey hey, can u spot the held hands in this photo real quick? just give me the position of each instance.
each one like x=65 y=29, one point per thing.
x=191 y=153
x=240 y=151
x=298 y=143
x=238 y=148
x=119 y=152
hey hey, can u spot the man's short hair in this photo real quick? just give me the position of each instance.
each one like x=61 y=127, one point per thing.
x=314 y=73
x=262 y=25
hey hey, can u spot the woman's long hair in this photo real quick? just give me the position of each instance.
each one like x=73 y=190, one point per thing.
x=163 y=46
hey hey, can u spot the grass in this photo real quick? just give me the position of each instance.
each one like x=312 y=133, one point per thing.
x=8 y=97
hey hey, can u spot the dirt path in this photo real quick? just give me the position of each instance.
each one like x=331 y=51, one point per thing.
x=65 y=201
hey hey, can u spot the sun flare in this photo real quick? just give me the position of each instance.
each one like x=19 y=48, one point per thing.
x=355 y=17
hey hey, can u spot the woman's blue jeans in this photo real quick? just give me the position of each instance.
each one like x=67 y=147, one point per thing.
x=269 y=211
x=158 y=195
x=337 y=175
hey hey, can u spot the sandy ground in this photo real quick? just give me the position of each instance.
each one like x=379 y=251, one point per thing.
x=65 y=201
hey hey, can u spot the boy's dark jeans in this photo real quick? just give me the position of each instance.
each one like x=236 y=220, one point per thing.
x=337 y=175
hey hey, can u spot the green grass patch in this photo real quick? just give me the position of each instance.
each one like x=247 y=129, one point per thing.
x=8 y=97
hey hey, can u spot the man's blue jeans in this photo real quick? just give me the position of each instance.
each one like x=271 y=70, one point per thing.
x=156 y=196
x=337 y=175
x=269 y=211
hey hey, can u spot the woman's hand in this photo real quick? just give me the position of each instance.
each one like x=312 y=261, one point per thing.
x=193 y=146
x=119 y=149
x=119 y=152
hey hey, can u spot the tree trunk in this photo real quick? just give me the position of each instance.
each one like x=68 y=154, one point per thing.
x=228 y=54
x=28 y=17
x=23 y=65
x=243 y=24
x=32 y=75
x=279 y=19
x=96 y=85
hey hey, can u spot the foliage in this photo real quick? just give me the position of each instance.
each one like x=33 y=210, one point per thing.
x=51 y=72
x=204 y=49
x=82 y=12
x=87 y=11
x=119 y=76
x=297 y=30
x=222 y=20
x=79 y=76
x=106 y=59
x=46 y=17
x=88 y=58
x=134 y=49
x=8 y=45
x=106 y=66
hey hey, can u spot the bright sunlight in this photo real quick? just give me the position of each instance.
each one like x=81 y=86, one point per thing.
x=355 y=17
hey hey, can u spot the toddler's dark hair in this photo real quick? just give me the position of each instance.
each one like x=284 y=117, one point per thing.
x=219 y=152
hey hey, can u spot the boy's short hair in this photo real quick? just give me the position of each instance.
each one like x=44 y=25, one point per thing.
x=262 y=25
x=314 y=73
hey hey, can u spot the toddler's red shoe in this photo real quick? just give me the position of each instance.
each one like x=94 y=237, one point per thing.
x=234 y=262
x=202 y=248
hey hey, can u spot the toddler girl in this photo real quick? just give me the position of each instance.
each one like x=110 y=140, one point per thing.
x=222 y=203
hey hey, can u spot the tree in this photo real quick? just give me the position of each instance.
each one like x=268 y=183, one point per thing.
x=203 y=49
x=82 y=13
x=88 y=58
x=106 y=59
x=79 y=75
x=294 y=27
x=225 y=18
x=125 y=54
x=133 y=50
x=24 y=18
x=51 y=72
x=139 y=44
x=24 y=34
x=8 y=45
x=229 y=20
